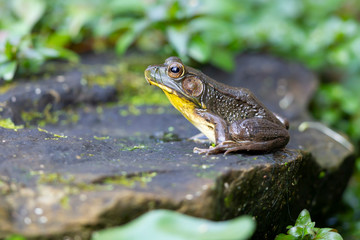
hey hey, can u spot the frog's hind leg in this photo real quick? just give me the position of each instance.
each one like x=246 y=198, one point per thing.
x=244 y=146
x=253 y=146
x=220 y=148
x=251 y=135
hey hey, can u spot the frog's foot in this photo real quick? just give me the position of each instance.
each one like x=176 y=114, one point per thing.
x=224 y=147
x=199 y=138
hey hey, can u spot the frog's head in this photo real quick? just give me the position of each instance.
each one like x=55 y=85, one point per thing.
x=183 y=85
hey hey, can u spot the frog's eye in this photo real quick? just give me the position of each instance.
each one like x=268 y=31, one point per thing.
x=193 y=86
x=176 y=70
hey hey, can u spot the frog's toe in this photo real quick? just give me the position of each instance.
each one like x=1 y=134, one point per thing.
x=207 y=151
x=199 y=150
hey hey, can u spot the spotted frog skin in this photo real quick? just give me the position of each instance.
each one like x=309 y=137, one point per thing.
x=232 y=118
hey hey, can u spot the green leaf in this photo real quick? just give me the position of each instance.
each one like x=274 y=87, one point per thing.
x=285 y=237
x=48 y=52
x=130 y=36
x=303 y=218
x=29 y=11
x=68 y=55
x=178 y=37
x=170 y=225
x=296 y=231
x=327 y=234
x=57 y=39
x=15 y=237
x=124 y=42
x=7 y=70
x=199 y=49
x=8 y=51
x=223 y=59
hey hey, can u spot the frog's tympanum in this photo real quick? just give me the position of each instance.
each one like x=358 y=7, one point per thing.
x=232 y=118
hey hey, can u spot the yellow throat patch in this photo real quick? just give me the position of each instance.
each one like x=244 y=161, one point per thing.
x=187 y=109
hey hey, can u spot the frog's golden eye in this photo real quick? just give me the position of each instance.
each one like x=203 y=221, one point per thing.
x=176 y=70
x=193 y=86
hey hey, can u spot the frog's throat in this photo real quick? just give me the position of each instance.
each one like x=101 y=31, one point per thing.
x=188 y=110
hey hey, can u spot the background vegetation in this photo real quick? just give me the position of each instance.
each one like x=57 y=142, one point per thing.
x=324 y=35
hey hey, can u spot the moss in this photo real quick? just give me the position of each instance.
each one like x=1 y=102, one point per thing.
x=155 y=110
x=208 y=174
x=101 y=138
x=6 y=87
x=202 y=166
x=54 y=134
x=8 y=123
x=132 y=148
x=127 y=77
x=322 y=174
x=47 y=116
x=130 y=110
x=64 y=202
x=4 y=187
x=55 y=178
x=228 y=200
x=131 y=181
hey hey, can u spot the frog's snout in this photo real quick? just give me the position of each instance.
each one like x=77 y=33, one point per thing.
x=150 y=74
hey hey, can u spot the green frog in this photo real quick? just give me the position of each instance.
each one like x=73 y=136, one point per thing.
x=232 y=118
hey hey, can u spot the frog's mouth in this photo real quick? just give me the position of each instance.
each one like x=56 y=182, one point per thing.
x=150 y=78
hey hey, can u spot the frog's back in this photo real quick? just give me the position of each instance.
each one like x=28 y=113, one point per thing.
x=234 y=104
x=231 y=103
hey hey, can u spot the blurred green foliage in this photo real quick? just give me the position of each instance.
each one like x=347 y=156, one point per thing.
x=305 y=229
x=323 y=34
x=319 y=33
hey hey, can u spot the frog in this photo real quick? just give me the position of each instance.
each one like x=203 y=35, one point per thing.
x=232 y=118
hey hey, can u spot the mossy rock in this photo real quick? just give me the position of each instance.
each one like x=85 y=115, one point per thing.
x=114 y=162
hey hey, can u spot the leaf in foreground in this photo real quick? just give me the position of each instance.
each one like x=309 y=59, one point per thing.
x=304 y=229
x=170 y=225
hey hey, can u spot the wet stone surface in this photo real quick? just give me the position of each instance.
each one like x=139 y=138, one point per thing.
x=101 y=165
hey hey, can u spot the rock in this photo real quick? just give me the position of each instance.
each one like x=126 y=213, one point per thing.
x=56 y=93
x=106 y=168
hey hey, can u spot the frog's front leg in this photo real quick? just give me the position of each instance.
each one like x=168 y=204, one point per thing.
x=221 y=135
x=220 y=131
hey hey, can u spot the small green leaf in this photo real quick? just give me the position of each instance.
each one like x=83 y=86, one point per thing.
x=130 y=36
x=7 y=70
x=285 y=237
x=199 y=49
x=48 y=52
x=169 y=225
x=223 y=59
x=57 y=39
x=327 y=234
x=303 y=219
x=296 y=231
x=179 y=38
x=29 y=11
x=124 y=42
x=68 y=55
x=8 y=51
